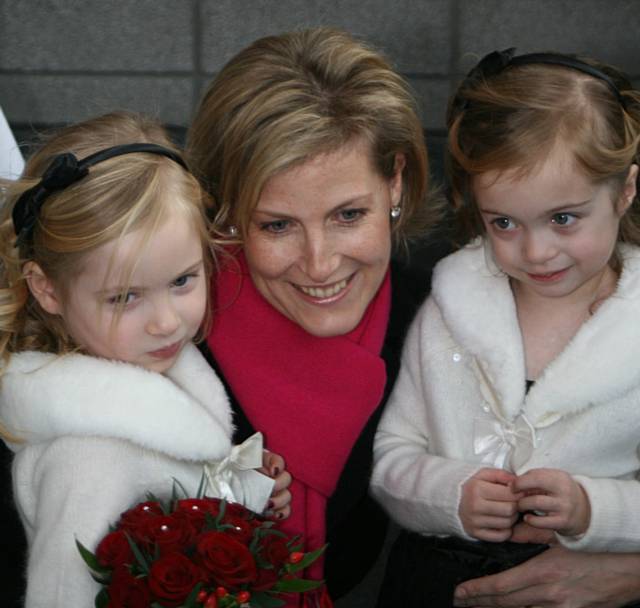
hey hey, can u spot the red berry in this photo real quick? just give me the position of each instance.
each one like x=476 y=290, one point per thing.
x=296 y=557
x=212 y=601
x=243 y=596
x=221 y=592
x=202 y=596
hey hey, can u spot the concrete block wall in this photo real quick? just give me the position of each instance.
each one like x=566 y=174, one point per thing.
x=64 y=60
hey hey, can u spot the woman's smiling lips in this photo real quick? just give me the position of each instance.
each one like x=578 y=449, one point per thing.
x=323 y=294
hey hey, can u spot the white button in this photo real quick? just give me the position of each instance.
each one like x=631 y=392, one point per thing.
x=486 y=408
x=457 y=357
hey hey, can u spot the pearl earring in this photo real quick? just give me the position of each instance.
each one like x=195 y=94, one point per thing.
x=233 y=231
x=395 y=212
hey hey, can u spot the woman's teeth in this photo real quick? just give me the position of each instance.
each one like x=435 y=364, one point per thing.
x=324 y=292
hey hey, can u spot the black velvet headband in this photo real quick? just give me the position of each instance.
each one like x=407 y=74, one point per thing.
x=497 y=61
x=64 y=170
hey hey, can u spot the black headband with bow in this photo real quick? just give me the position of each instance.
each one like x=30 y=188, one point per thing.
x=495 y=62
x=64 y=170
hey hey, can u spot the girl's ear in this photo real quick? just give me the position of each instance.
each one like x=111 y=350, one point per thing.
x=42 y=288
x=629 y=190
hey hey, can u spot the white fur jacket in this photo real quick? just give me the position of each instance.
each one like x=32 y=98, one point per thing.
x=460 y=404
x=97 y=436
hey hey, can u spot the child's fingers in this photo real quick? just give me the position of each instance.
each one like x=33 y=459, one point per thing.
x=495 y=476
x=544 y=480
x=498 y=493
x=538 y=502
x=545 y=522
x=494 y=523
x=492 y=535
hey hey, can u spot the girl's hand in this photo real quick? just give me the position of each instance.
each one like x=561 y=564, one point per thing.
x=557 y=501
x=488 y=507
x=273 y=466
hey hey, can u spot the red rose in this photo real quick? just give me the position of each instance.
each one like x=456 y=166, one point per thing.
x=114 y=550
x=229 y=561
x=198 y=508
x=133 y=519
x=273 y=549
x=170 y=533
x=172 y=578
x=235 y=509
x=127 y=591
x=241 y=530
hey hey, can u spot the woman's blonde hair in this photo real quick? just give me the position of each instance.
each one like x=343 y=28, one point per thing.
x=287 y=98
x=133 y=191
x=511 y=116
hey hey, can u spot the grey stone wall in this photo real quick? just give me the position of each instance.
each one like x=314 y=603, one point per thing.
x=64 y=60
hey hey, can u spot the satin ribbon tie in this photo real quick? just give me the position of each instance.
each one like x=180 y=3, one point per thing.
x=235 y=478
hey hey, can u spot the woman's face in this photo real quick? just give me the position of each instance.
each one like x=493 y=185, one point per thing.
x=319 y=241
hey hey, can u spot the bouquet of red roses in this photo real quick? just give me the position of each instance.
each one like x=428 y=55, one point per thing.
x=196 y=553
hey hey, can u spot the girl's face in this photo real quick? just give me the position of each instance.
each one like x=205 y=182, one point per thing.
x=319 y=242
x=552 y=231
x=163 y=307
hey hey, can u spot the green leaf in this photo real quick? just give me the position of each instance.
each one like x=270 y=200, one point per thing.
x=140 y=558
x=202 y=487
x=264 y=600
x=307 y=560
x=176 y=483
x=221 y=512
x=98 y=572
x=296 y=585
x=191 y=602
x=102 y=599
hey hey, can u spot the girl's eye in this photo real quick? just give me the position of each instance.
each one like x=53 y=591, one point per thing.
x=503 y=223
x=563 y=219
x=122 y=299
x=277 y=226
x=350 y=215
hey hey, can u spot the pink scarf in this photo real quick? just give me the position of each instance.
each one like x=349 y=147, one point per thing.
x=310 y=396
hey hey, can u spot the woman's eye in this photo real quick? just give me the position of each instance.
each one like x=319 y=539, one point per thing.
x=563 y=219
x=276 y=226
x=503 y=223
x=350 y=215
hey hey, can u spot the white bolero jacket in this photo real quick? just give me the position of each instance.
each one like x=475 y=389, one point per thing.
x=460 y=404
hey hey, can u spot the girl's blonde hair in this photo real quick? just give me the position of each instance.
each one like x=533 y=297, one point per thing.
x=285 y=99
x=510 y=116
x=133 y=191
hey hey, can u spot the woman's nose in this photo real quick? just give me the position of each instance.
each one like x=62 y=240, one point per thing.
x=321 y=258
x=164 y=319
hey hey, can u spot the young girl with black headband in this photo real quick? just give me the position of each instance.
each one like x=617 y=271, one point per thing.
x=106 y=253
x=515 y=415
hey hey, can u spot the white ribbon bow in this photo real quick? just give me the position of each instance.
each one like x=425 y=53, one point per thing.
x=495 y=440
x=235 y=479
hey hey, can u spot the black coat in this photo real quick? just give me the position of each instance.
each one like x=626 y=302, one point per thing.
x=356 y=525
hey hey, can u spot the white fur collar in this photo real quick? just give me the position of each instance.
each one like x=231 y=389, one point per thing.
x=599 y=364
x=185 y=414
